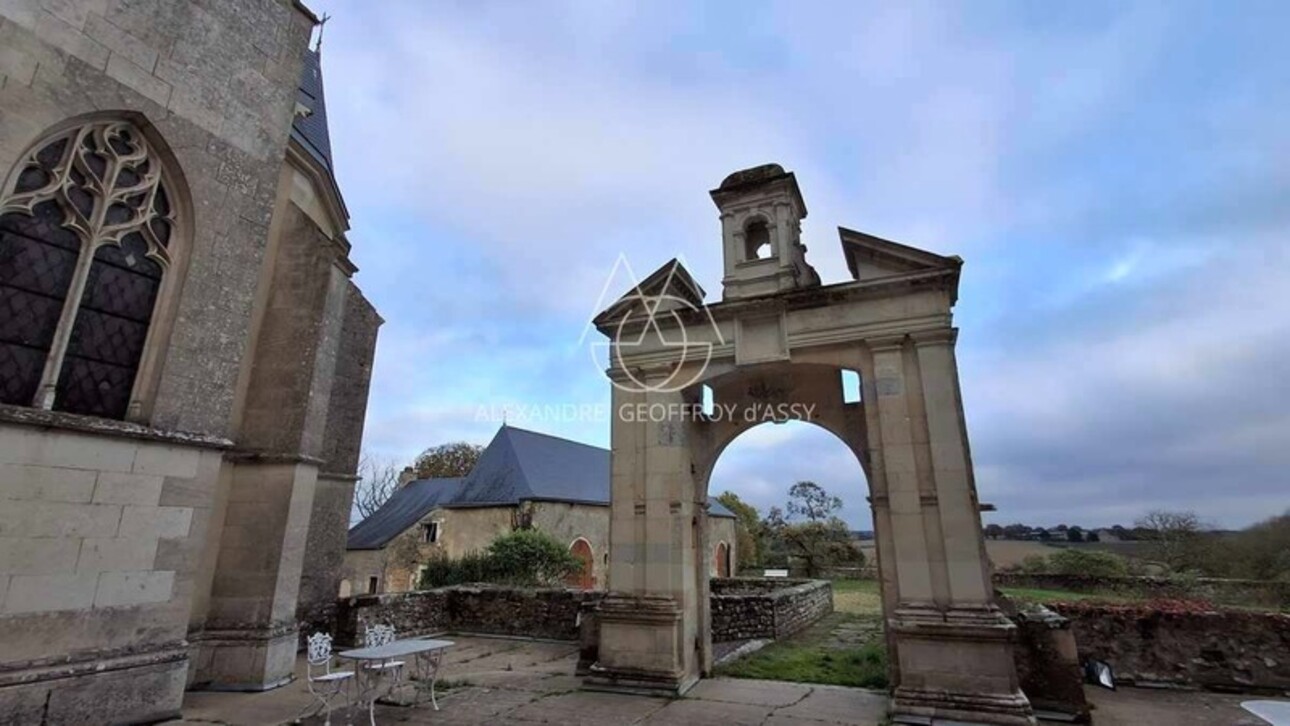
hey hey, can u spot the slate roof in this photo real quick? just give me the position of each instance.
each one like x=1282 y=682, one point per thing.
x=516 y=466
x=408 y=505
x=311 y=130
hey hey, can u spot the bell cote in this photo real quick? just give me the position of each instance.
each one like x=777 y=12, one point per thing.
x=761 y=233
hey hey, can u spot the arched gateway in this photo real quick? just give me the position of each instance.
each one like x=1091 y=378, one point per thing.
x=775 y=348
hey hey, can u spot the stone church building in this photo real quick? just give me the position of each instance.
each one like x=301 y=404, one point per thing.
x=522 y=479
x=184 y=356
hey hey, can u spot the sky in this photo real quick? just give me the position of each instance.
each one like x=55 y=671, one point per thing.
x=1115 y=175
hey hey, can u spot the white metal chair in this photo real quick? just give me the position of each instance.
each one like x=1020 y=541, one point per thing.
x=324 y=684
x=375 y=636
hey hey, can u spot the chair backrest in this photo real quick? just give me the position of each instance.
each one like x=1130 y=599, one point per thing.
x=378 y=635
x=319 y=651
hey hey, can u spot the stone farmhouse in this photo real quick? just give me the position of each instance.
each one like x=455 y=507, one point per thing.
x=184 y=356
x=523 y=479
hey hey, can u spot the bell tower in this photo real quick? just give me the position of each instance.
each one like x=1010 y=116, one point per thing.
x=761 y=233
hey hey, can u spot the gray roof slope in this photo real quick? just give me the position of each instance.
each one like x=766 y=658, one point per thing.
x=519 y=465
x=408 y=505
x=516 y=466
x=311 y=130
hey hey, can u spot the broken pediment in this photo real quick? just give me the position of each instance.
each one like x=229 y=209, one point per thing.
x=670 y=287
x=871 y=258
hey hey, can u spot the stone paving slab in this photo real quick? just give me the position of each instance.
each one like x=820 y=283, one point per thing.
x=525 y=682
x=694 y=712
x=835 y=704
x=587 y=708
x=761 y=693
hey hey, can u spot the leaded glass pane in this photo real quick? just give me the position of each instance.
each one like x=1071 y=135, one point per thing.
x=111 y=327
x=35 y=274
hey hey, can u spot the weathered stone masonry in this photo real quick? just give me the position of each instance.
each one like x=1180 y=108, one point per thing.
x=136 y=557
x=745 y=608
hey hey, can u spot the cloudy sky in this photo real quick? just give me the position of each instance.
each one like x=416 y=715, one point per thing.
x=1116 y=176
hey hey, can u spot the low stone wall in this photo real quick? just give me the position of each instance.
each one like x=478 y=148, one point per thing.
x=744 y=607
x=548 y=613
x=1245 y=592
x=1183 y=645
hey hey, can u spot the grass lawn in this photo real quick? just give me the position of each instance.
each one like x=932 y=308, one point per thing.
x=857 y=597
x=1027 y=594
x=812 y=657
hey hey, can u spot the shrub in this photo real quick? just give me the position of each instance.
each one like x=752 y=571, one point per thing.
x=1091 y=563
x=1088 y=562
x=530 y=557
x=524 y=557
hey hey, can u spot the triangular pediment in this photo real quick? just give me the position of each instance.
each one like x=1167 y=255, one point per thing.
x=670 y=287
x=872 y=258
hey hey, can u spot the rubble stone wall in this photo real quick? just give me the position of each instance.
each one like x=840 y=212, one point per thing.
x=741 y=608
x=1216 y=649
x=744 y=608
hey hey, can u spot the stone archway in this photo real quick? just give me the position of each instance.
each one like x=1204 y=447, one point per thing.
x=774 y=349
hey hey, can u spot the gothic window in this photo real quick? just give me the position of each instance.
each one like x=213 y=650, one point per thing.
x=86 y=227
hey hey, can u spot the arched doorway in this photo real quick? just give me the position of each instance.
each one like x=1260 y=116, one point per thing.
x=721 y=560
x=777 y=347
x=586 y=578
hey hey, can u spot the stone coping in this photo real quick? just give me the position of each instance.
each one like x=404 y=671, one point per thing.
x=40 y=418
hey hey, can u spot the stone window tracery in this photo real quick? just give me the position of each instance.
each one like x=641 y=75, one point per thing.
x=86 y=230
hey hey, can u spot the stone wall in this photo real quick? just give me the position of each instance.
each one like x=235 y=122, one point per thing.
x=1244 y=592
x=101 y=535
x=548 y=613
x=217 y=83
x=741 y=608
x=744 y=608
x=1217 y=649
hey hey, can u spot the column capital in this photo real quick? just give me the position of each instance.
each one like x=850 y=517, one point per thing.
x=884 y=343
x=940 y=336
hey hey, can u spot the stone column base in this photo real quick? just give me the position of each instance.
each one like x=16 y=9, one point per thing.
x=244 y=660
x=957 y=665
x=642 y=648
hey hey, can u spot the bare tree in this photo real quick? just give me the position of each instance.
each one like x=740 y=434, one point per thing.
x=378 y=479
x=1177 y=538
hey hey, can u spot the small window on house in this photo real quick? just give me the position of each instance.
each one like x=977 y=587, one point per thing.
x=757 y=241
x=372 y=583
x=850 y=386
x=430 y=532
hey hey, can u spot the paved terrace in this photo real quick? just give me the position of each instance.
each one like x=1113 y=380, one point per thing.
x=493 y=680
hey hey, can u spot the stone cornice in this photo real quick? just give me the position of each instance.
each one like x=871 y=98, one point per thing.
x=59 y=420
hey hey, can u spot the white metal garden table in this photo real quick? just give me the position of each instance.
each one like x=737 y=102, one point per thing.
x=372 y=662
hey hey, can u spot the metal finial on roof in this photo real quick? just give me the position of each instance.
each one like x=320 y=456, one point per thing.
x=322 y=25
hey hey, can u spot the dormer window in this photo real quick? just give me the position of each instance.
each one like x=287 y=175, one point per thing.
x=757 y=241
